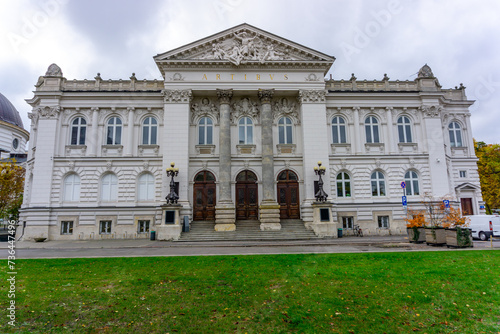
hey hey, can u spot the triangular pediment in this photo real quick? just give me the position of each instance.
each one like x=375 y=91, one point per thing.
x=245 y=44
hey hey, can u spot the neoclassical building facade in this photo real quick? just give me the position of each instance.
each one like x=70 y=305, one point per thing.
x=246 y=116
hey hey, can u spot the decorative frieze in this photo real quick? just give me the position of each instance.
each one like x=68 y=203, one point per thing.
x=177 y=95
x=312 y=95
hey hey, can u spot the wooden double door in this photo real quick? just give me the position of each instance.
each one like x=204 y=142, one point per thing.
x=204 y=201
x=288 y=195
x=247 y=196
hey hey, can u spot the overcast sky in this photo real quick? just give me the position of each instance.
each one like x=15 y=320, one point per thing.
x=459 y=40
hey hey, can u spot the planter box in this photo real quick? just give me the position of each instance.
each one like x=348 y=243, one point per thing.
x=435 y=236
x=459 y=237
x=421 y=235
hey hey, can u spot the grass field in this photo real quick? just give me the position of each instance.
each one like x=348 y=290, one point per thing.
x=427 y=292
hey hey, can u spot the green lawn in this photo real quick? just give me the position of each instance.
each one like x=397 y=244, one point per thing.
x=427 y=292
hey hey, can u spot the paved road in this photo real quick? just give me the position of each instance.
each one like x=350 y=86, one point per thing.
x=140 y=248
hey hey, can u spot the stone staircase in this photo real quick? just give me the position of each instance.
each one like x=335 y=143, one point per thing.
x=247 y=230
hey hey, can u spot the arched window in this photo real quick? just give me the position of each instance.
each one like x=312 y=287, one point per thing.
x=371 y=129
x=114 y=131
x=205 y=131
x=245 y=131
x=71 y=188
x=78 y=130
x=455 y=134
x=378 y=184
x=343 y=185
x=338 y=130
x=109 y=187
x=146 y=191
x=411 y=180
x=149 y=131
x=285 y=130
x=404 y=129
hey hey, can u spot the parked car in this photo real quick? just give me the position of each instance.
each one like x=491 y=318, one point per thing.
x=484 y=226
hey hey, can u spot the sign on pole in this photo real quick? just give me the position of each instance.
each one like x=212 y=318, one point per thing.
x=446 y=203
x=403 y=185
x=404 y=201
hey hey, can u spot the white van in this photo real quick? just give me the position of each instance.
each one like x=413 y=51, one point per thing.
x=483 y=226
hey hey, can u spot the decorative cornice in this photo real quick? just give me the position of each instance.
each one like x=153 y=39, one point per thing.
x=177 y=95
x=312 y=96
x=265 y=95
x=224 y=95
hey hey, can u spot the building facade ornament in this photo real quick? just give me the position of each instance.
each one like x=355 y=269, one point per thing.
x=48 y=112
x=312 y=95
x=53 y=71
x=224 y=95
x=177 y=77
x=177 y=95
x=245 y=107
x=425 y=72
x=204 y=107
x=431 y=111
x=285 y=108
x=265 y=95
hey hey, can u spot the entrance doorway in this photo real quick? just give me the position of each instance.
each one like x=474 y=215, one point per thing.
x=288 y=195
x=466 y=204
x=204 y=196
x=247 y=197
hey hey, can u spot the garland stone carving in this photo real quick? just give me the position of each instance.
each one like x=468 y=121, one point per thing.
x=245 y=107
x=431 y=111
x=48 y=112
x=284 y=108
x=177 y=95
x=203 y=108
x=312 y=95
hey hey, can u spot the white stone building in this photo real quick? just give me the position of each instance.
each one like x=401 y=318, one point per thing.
x=245 y=115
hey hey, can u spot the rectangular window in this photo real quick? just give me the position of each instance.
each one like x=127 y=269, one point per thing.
x=348 y=222
x=145 y=135
x=66 y=227
x=242 y=134
x=105 y=227
x=463 y=173
x=143 y=226
x=201 y=135
x=383 y=221
x=154 y=131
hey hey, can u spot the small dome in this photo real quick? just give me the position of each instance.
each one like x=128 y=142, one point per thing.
x=8 y=112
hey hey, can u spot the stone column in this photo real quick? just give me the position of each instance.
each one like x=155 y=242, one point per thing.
x=269 y=207
x=225 y=214
x=94 y=132
x=130 y=132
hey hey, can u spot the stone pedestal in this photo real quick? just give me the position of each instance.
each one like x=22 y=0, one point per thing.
x=269 y=216
x=225 y=217
x=323 y=224
x=170 y=227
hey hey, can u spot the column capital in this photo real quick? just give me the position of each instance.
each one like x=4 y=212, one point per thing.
x=224 y=95
x=265 y=95
x=177 y=95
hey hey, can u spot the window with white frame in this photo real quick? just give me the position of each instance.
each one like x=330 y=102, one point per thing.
x=205 y=131
x=371 y=130
x=109 y=187
x=143 y=226
x=245 y=131
x=66 y=227
x=78 y=131
x=146 y=190
x=404 y=129
x=378 y=184
x=348 y=222
x=463 y=173
x=455 y=134
x=71 y=188
x=383 y=221
x=338 y=130
x=411 y=180
x=343 y=185
x=105 y=226
x=285 y=128
x=114 y=136
x=149 y=131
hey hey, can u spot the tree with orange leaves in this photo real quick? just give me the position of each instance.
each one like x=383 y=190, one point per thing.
x=11 y=189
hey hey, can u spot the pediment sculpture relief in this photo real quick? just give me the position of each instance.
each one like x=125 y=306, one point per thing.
x=244 y=46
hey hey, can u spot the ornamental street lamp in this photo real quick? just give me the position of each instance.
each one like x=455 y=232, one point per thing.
x=172 y=197
x=320 y=170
